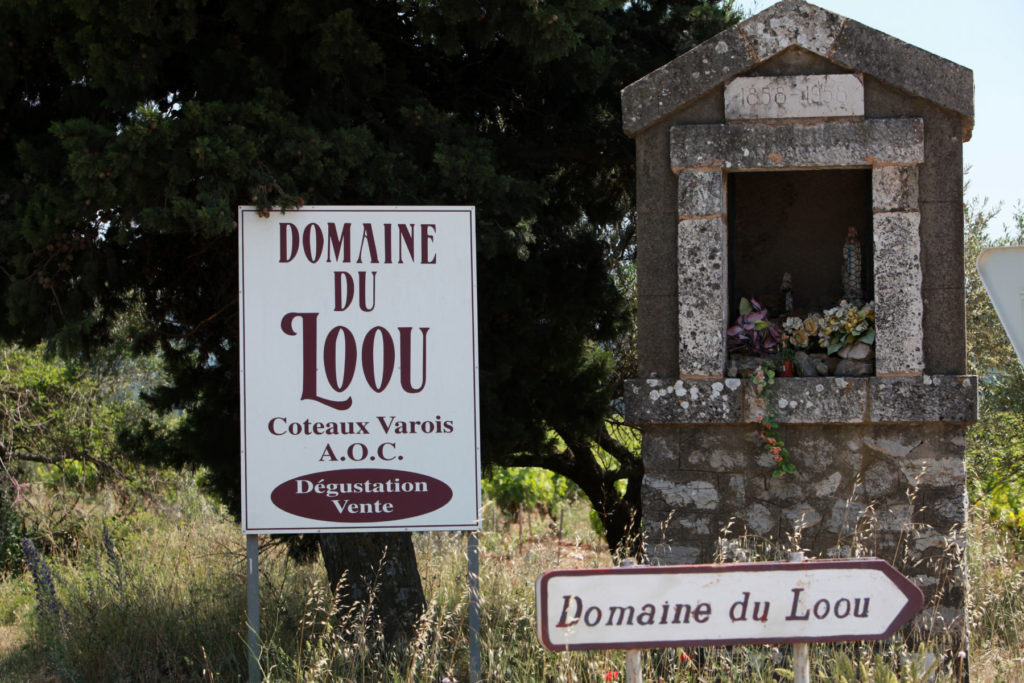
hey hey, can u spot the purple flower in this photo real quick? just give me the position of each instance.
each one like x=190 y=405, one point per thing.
x=47 y=604
x=753 y=330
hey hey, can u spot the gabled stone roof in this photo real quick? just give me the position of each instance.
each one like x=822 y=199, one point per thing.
x=797 y=24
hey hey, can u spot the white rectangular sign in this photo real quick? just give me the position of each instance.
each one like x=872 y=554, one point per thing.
x=359 y=369
x=798 y=96
x=1002 y=272
x=723 y=604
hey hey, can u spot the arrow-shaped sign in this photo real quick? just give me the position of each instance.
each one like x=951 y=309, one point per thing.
x=723 y=604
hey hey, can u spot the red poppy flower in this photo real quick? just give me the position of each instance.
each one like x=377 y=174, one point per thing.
x=684 y=658
x=611 y=675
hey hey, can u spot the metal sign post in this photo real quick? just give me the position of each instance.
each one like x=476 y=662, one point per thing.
x=473 y=571
x=252 y=575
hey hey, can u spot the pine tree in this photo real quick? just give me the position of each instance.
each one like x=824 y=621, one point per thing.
x=131 y=131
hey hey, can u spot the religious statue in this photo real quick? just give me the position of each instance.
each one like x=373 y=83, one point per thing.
x=853 y=292
x=787 y=293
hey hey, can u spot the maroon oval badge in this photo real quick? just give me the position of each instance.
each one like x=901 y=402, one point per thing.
x=361 y=495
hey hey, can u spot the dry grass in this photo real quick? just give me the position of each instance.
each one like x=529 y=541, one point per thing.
x=160 y=596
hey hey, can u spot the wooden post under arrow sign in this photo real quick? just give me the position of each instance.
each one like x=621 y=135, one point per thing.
x=723 y=604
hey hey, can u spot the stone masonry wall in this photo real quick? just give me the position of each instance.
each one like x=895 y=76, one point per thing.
x=882 y=478
x=880 y=472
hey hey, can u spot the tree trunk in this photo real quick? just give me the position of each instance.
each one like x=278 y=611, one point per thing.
x=619 y=513
x=379 y=570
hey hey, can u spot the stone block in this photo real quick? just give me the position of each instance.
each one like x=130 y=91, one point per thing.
x=791 y=23
x=794 y=96
x=819 y=450
x=695 y=524
x=827 y=486
x=701 y=194
x=943 y=508
x=894 y=188
x=844 y=516
x=815 y=400
x=931 y=398
x=949 y=510
x=942 y=244
x=796 y=63
x=661 y=450
x=708 y=108
x=926 y=470
x=798 y=145
x=897 y=254
x=759 y=519
x=780 y=490
x=657 y=263
x=882 y=100
x=665 y=554
x=849 y=367
x=894 y=518
x=942 y=175
x=899 y=341
x=702 y=297
x=735 y=491
x=685 y=78
x=713 y=449
x=802 y=516
x=798 y=402
x=950 y=621
x=657 y=216
x=696 y=494
x=659 y=401
x=945 y=329
x=657 y=335
x=907 y=67
x=899 y=338
x=892 y=443
x=880 y=480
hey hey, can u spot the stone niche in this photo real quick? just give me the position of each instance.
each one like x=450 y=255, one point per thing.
x=796 y=222
x=756 y=151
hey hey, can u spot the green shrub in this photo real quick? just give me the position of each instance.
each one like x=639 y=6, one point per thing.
x=12 y=525
x=514 y=489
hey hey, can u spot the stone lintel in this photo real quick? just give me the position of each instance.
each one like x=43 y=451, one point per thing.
x=805 y=400
x=819 y=144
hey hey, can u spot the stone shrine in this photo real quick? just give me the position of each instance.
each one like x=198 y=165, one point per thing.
x=800 y=142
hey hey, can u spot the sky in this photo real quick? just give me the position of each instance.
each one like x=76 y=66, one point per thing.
x=986 y=36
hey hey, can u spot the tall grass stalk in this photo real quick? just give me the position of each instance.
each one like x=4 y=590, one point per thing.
x=157 y=593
